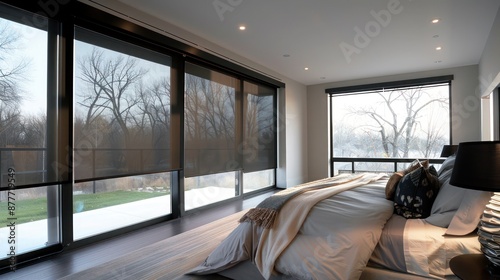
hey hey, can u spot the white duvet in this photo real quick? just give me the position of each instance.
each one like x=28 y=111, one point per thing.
x=334 y=239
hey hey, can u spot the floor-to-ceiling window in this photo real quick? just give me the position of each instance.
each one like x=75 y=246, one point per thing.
x=121 y=134
x=230 y=136
x=28 y=132
x=259 y=142
x=211 y=136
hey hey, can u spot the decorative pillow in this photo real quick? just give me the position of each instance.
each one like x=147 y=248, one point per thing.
x=393 y=181
x=417 y=164
x=416 y=193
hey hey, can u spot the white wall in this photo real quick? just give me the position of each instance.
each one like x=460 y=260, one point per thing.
x=489 y=65
x=292 y=163
x=489 y=79
x=296 y=134
x=466 y=107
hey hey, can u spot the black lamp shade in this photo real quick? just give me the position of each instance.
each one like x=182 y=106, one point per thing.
x=448 y=150
x=477 y=166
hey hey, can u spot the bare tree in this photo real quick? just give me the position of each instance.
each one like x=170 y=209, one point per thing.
x=111 y=90
x=155 y=106
x=210 y=110
x=12 y=69
x=398 y=127
x=12 y=74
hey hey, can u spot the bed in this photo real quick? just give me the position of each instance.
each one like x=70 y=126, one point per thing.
x=355 y=226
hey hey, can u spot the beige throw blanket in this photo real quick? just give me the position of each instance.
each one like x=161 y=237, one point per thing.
x=266 y=212
x=292 y=215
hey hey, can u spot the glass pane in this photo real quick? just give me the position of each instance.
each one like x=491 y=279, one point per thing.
x=24 y=156
x=400 y=123
x=121 y=130
x=210 y=122
x=122 y=108
x=23 y=102
x=103 y=205
x=257 y=180
x=259 y=144
x=24 y=213
x=342 y=167
x=204 y=190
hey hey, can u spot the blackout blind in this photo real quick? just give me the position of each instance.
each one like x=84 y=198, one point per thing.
x=210 y=122
x=122 y=122
x=368 y=88
x=229 y=123
x=260 y=128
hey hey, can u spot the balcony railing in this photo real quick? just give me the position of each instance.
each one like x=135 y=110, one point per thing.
x=31 y=164
x=397 y=164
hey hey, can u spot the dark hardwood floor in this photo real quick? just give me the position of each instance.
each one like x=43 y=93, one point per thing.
x=72 y=261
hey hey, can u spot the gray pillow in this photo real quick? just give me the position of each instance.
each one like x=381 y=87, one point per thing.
x=446 y=204
x=447 y=165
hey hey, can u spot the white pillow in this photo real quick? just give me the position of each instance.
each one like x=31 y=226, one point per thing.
x=468 y=215
x=458 y=209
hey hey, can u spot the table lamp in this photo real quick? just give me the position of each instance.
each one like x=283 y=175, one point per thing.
x=477 y=167
x=449 y=150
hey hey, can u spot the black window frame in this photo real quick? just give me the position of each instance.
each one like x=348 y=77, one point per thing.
x=377 y=87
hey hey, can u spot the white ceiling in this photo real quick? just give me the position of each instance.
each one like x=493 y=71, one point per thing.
x=313 y=33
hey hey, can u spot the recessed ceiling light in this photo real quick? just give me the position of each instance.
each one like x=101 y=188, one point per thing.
x=438 y=48
x=307 y=68
x=436 y=20
x=242 y=27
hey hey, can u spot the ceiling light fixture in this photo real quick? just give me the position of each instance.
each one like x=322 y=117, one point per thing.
x=438 y=48
x=307 y=68
x=242 y=27
x=436 y=20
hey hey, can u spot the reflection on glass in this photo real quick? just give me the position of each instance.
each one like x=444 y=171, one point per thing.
x=258 y=180
x=207 y=189
x=103 y=205
x=30 y=211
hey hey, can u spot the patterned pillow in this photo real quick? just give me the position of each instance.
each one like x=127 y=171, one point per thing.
x=416 y=193
x=392 y=183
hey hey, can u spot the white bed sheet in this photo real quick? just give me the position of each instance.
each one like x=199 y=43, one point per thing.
x=428 y=250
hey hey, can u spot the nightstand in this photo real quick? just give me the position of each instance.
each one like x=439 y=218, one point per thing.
x=472 y=267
